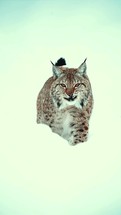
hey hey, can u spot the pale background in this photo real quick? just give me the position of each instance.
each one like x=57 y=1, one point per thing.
x=40 y=174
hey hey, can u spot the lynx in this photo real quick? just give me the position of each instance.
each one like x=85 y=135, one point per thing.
x=65 y=102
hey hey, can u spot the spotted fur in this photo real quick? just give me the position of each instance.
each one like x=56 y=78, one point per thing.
x=65 y=103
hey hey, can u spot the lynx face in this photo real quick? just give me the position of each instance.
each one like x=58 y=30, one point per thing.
x=70 y=88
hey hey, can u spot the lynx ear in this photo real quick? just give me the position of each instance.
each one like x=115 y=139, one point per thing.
x=82 y=68
x=56 y=70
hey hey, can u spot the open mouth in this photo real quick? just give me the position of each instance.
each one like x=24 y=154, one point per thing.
x=71 y=98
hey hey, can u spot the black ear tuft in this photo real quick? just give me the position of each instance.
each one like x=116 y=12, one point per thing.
x=60 y=62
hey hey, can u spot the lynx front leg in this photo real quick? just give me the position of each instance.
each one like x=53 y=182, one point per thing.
x=79 y=134
x=73 y=140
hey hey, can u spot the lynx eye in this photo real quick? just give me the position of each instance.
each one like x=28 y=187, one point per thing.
x=77 y=85
x=63 y=85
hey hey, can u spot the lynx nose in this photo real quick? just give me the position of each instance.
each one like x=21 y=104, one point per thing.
x=70 y=91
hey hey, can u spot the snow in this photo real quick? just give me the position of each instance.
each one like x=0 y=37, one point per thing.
x=40 y=173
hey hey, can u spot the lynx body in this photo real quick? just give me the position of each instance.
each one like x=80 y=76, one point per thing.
x=65 y=102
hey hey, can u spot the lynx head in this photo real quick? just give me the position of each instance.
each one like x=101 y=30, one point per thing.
x=71 y=86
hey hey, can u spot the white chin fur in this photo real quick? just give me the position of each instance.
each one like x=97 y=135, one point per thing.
x=70 y=103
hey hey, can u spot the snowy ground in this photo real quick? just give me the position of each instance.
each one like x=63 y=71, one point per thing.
x=40 y=174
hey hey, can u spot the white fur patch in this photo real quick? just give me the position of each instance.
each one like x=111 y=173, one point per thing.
x=74 y=103
x=67 y=119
